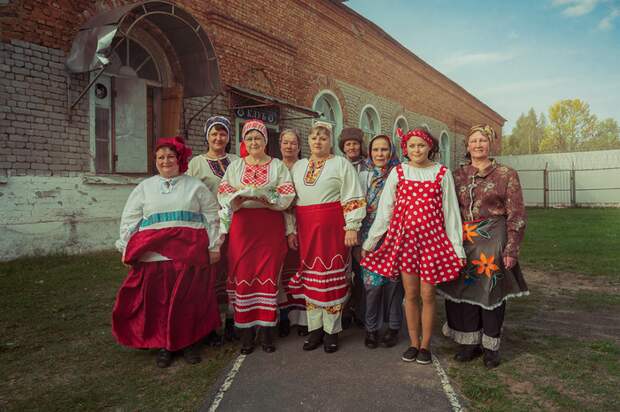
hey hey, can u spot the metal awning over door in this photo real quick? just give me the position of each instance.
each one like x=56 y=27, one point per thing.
x=92 y=47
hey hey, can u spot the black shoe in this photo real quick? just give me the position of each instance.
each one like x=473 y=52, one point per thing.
x=390 y=338
x=314 y=339
x=424 y=357
x=410 y=354
x=247 y=341
x=467 y=353
x=214 y=340
x=371 y=340
x=164 y=358
x=229 y=330
x=191 y=354
x=266 y=339
x=347 y=321
x=302 y=330
x=330 y=342
x=284 y=328
x=491 y=358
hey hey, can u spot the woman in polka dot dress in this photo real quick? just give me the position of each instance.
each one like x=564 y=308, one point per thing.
x=419 y=215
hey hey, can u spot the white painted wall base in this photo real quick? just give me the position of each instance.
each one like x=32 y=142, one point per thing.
x=69 y=215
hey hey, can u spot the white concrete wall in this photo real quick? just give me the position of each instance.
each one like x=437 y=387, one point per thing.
x=46 y=215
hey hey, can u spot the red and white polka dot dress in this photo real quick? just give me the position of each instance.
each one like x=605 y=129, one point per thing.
x=416 y=240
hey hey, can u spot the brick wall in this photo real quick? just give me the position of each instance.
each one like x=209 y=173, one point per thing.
x=39 y=136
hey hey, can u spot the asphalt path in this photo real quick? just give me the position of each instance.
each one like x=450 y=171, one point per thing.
x=353 y=379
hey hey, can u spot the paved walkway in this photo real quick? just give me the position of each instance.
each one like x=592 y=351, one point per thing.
x=353 y=379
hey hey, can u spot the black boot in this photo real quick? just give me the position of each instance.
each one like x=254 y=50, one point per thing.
x=284 y=328
x=491 y=358
x=390 y=338
x=371 y=340
x=467 y=353
x=191 y=354
x=302 y=330
x=164 y=358
x=247 y=341
x=330 y=342
x=266 y=338
x=314 y=339
x=229 y=330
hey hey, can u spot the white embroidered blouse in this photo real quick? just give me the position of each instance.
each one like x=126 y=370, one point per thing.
x=326 y=181
x=450 y=206
x=270 y=182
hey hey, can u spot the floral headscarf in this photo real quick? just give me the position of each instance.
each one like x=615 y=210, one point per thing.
x=378 y=176
x=485 y=129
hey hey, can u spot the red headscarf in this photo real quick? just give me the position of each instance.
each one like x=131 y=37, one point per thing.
x=421 y=133
x=178 y=145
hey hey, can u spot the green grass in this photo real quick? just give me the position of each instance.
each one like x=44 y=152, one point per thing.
x=584 y=241
x=57 y=351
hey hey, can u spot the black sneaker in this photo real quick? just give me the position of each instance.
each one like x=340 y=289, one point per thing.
x=424 y=357
x=410 y=354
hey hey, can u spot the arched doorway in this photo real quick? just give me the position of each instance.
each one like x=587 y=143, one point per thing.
x=144 y=59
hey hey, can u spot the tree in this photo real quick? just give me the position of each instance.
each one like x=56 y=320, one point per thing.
x=606 y=136
x=570 y=125
x=526 y=135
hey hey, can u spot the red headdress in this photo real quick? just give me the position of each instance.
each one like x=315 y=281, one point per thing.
x=178 y=145
x=421 y=133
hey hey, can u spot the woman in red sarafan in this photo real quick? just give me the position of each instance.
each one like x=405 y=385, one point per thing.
x=168 y=225
x=253 y=193
x=418 y=213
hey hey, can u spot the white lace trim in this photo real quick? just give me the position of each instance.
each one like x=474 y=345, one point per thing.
x=471 y=302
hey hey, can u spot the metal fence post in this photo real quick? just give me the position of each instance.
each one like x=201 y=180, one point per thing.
x=545 y=187
x=573 y=187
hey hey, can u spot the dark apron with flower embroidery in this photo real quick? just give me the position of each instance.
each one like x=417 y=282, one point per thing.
x=485 y=281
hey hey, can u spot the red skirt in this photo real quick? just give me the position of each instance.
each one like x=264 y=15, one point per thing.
x=322 y=275
x=168 y=304
x=256 y=251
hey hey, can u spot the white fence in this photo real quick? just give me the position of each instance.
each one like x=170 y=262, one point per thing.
x=580 y=179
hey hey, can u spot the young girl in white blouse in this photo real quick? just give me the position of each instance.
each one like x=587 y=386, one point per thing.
x=419 y=215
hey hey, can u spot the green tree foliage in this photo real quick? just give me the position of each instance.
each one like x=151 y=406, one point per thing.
x=571 y=127
x=606 y=136
x=526 y=135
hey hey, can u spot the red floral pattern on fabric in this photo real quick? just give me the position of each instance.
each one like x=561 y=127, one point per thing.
x=225 y=187
x=255 y=175
x=286 y=189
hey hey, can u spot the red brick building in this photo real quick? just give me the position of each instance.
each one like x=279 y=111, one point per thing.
x=88 y=86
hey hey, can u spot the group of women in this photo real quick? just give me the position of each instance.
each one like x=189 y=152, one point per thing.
x=283 y=235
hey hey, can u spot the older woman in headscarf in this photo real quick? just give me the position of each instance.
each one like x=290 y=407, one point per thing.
x=169 y=237
x=329 y=213
x=210 y=168
x=253 y=193
x=292 y=310
x=491 y=203
x=384 y=296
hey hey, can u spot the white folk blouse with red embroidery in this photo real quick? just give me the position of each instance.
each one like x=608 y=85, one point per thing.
x=270 y=182
x=332 y=180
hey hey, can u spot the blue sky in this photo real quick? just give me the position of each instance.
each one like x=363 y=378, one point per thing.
x=514 y=55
